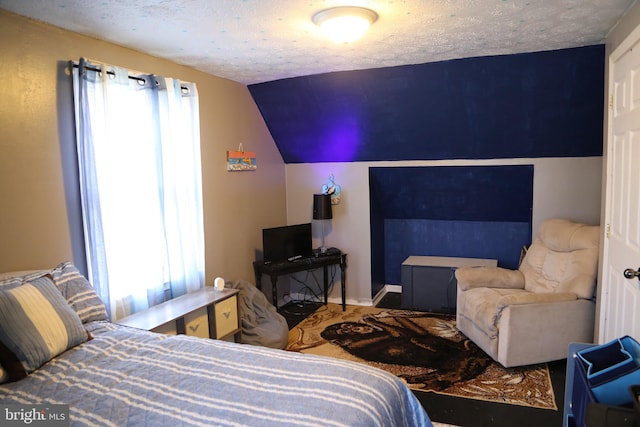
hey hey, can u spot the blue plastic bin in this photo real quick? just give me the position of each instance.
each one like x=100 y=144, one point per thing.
x=582 y=395
x=610 y=369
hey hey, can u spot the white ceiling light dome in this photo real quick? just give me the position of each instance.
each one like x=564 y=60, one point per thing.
x=345 y=24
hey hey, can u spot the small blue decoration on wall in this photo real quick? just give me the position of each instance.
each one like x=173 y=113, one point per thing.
x=332 y=189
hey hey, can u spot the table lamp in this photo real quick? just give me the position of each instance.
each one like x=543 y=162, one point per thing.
x=322 y=212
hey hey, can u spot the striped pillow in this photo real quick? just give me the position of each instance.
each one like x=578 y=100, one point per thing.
x=36 y=324
x=78 y=292
x=11 y=280
x=17 y=278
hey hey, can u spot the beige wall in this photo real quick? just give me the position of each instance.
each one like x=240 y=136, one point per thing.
x=36 y=131
x=623 y=28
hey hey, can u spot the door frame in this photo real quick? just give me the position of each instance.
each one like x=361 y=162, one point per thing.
x=601 y=307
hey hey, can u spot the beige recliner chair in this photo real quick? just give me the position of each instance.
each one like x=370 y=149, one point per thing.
x=530 y=315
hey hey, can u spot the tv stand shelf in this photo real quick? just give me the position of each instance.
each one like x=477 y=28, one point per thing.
x=281 y=268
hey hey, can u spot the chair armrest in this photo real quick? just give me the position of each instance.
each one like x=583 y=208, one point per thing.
x=523 y=298
x=489 y=277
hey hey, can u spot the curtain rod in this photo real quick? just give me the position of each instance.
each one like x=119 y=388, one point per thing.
x=109 y=72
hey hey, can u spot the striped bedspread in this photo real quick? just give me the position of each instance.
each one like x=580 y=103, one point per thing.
x=131 y=377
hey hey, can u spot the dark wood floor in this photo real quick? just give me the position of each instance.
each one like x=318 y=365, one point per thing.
x=466 y=412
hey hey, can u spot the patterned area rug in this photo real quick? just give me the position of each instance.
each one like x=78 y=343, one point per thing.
x=424 y=349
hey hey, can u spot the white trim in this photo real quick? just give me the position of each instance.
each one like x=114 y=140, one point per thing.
x=385 y=290
x=296 y=296
x=603 y=315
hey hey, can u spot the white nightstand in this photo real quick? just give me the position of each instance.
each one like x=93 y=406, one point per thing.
x=205 y=313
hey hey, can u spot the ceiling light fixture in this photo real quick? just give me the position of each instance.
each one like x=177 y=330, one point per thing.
x=345 y=24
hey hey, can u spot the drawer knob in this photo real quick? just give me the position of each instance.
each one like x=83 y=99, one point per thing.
x=226 y=314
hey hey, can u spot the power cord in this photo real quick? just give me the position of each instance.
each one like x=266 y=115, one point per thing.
x=310 y=295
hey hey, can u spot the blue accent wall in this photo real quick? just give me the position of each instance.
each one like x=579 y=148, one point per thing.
x=457 y=211
x=542 y=104
x=530 y=105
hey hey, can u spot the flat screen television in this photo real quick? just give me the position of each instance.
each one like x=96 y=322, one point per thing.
x=286 y=243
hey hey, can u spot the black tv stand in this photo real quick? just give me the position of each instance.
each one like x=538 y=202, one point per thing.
x=329 y=251
x=332 y=256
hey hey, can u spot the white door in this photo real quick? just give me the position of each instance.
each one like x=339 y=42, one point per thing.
x=620 y=296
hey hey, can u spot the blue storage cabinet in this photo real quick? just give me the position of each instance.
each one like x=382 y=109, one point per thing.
x=429 y=283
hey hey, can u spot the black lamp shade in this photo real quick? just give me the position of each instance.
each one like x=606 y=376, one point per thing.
x=322 y=206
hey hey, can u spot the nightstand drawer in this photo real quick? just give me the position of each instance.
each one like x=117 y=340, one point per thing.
x=168 y=328
x=226 y=314
x=205 y=313
x=196 y=323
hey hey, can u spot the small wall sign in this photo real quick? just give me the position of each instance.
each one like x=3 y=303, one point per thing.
x=240 y=161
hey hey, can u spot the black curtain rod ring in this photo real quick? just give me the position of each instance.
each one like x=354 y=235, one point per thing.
x=112 y=75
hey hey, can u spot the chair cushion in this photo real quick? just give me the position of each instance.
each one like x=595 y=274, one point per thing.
x=481 y=306
x=563 y=258
x=492 y=277
x=562 y=235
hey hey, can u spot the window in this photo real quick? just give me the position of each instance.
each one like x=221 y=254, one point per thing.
x=140 y=185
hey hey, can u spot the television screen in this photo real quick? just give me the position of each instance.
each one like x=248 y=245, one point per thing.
x=285 y=243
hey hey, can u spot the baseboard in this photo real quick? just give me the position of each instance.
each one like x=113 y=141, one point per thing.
x=393 y=288
x=385 y=290
x=350 y=301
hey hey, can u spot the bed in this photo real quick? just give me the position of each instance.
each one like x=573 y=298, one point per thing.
x=113 y=375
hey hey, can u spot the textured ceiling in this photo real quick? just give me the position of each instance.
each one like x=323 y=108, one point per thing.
x=253 y=41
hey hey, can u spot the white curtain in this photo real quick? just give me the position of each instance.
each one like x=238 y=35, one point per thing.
x=138 y=140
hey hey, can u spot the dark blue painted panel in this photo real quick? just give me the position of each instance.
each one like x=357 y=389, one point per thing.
x=376 y=223
x=468 y=239
x=543 y=104
x=457 y=211
x=462 y=193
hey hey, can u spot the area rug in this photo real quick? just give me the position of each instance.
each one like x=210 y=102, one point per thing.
x=424 y=349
